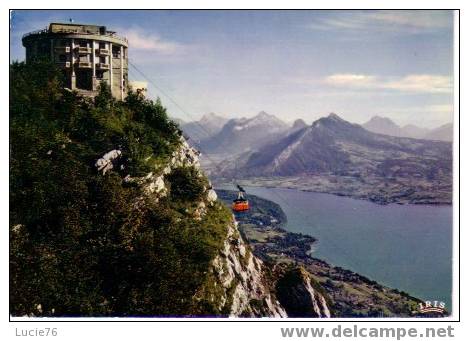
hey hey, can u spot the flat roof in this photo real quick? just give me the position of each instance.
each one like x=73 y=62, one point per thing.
x=78 y=31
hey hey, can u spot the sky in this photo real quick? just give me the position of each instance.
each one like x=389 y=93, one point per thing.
x=293 y=64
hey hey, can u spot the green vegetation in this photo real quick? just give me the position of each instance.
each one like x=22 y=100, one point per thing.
x=186 y=184
x=87 y=244
x=261 y=210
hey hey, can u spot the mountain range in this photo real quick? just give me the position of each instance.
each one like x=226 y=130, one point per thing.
x=215 y=134
x=243 y=134
x=334 y=145
x=209 y=125
x=384 y=125
x=333 y=155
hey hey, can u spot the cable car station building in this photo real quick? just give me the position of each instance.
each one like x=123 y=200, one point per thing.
x=87 y=54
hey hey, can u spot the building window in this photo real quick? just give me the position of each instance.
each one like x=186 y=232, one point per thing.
x=83 y=43
x=116 y=52
x=102 y=59
x=102 y=45
x=99 y=74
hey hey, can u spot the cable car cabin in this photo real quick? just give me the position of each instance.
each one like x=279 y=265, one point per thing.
x=240 y=204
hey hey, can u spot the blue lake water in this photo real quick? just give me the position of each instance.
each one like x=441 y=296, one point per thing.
x=408 y=247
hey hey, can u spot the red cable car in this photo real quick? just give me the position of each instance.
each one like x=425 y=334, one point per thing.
x=240 y=204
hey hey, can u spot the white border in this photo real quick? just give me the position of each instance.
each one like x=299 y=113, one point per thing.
x=240 y=329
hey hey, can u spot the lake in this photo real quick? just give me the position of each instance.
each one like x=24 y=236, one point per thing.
x=408 y=247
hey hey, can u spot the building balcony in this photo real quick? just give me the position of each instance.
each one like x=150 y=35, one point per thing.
x=62 y=49
x=103 y=52
x=64 y=65
x=84 y=65
x=84 y=50
x=102 y=66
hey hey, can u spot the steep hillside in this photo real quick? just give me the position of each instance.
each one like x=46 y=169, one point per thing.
x=240 y=135
x=110 y=214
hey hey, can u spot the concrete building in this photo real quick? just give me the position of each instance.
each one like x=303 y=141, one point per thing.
x=87 y=54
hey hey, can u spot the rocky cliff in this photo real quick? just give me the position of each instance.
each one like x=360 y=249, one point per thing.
x=239 y=283
x=296 y=293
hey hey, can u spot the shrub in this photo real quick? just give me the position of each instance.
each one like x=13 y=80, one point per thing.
x=186 y=184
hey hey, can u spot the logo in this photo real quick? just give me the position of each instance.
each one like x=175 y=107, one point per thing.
x=432 y=307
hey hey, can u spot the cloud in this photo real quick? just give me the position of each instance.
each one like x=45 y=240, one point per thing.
x=411 y=83
x=351 y=80
x=422 y=83
x=412 y=22
x=440 y=108
x=147 y=41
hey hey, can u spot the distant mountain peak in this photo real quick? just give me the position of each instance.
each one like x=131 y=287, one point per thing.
x=264 y=116
x=299 y=123
x=204 y=128
x=382 y=119
x=331 y=118
x=211 y=116
x=442 y=133
x=378 y=117
x=382 y=125
x=334 y=145
x=241 y=134
x=335 y=117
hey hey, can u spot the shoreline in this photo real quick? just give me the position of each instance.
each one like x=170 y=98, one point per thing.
x=354 y=295
x=351 y=192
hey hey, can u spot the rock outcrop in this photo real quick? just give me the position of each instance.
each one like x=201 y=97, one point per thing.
x=243 y=282
x=105 y=163
x=300 y=295
x=153 y=183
